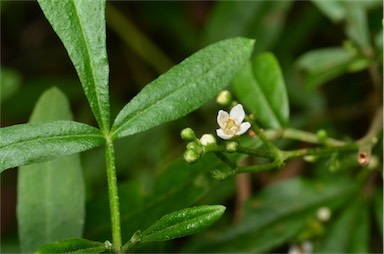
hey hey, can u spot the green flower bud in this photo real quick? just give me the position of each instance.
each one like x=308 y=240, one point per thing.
x=195 y=146
x=224 y=98
x=187 y=134
x=191 y=156
x=311 y=158
x=231 y=146
x=322 y=135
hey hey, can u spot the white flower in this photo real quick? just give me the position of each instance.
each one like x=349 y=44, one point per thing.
x=232 y=124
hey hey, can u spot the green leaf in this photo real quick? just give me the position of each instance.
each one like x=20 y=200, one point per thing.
x=74 y=245
x=80 y=25
x=51 y=199
x=183 y=88
x=333 y=9
x=322 y=65
x=275 y=216
x=182 y=223
x=345 y=235
x=357 y=24
x=43 y=141
x=260 y=87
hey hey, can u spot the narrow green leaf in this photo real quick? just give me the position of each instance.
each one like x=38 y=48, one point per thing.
x=345 y=235
x=182 y=223
x=267 y=223
x=322 y=65
x=325 y=59
x=74 y=245
x=260 y=87
x=357 y=24
x=42 y=141
x=334 y=10
x=80 y=25
x=183 y=88
x=51 y=199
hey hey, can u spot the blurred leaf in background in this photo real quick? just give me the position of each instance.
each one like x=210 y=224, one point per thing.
x=51 y=200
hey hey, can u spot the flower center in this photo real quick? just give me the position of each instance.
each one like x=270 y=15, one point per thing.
x=231 y=127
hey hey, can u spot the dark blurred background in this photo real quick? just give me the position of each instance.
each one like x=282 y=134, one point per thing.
x=146 y=38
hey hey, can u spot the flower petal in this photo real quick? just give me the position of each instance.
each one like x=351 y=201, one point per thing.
x=222 y=135
x=237 y=113
x=243 y=128
x=222 y=118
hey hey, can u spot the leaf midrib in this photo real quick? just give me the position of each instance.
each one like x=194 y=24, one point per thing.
x=58 y=137
x=92 y=66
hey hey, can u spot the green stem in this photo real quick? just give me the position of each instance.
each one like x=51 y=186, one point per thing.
x=276 y=152
x=222 y=175
x=225 y=159
x=367 y=142
x=135 y=239
x=263 y=138
x=319 y=151
x=308 y=137
x=255 y=152
x=113 y=194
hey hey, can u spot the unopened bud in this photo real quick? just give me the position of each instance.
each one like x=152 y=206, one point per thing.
x=323 y=214
x=224 y=98
x=207 y=140
x=231 y=146
x=187 y=134
x=191 y=156
x=322 y=135
x=310 y=158
x=193 y=146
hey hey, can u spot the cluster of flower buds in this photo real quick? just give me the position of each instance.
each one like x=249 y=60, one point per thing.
x=197 y=147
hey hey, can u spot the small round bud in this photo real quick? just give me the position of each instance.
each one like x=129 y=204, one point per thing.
x=207 y=140
x=310 y=158
x=108 y=245
x=323 y=214
x=231 y=146
x=193 y=146
x=224 y=98
x=322 y=135
x=190 y=156
x=187 y=134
